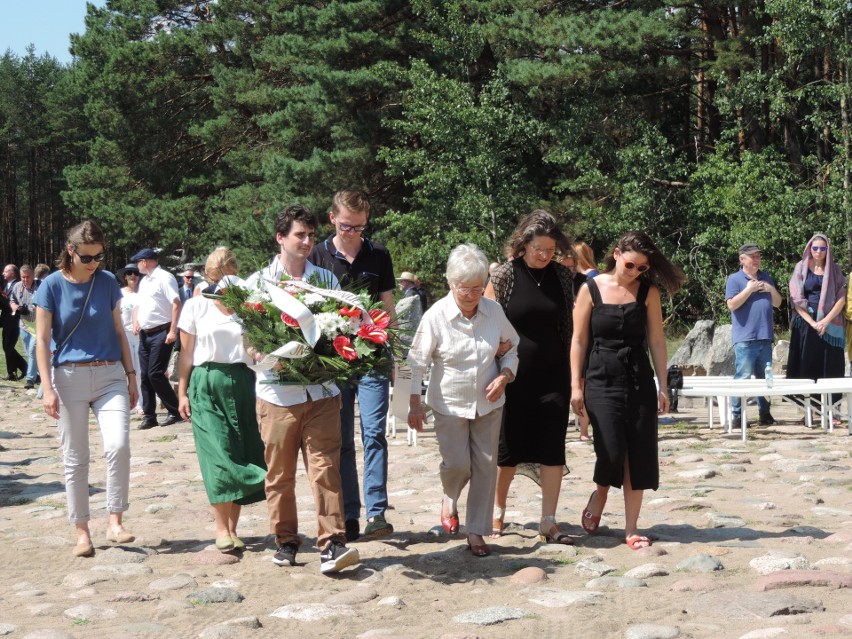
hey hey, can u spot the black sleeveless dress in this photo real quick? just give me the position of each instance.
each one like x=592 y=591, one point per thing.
x=620 y=394
x=535 y=416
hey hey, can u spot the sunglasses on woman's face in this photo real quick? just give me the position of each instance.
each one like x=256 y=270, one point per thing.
x=819 y=249
x=632 y=265
x=87 y=259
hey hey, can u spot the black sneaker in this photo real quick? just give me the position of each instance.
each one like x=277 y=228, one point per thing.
x=767 y=420
x=285 y=555
x=353 y=529
x=336 y=557
x=29 y=385
x=377 y=527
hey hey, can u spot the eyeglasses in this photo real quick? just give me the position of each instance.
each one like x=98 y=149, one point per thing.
x=87 y=259
x=351 y=228
x=632 y=265
x=543 y=251
x=131 y=274
x=819 y=248
x=470 y=290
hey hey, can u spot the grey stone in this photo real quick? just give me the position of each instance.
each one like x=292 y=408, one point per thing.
x=175 y=582
x=651 y=631
x=717 y=520
x=646 y=571
x=721 y=360
x=764 y=633
x=392 y=601
x=132 y=597
x=834 y=512
x=606 y=583
x=91 y=612
x=490 y=616
x=312 y=612
x=116 y=556
x=700 y=563
x=689 y=459
x=7 y=628
x=776 y=560
x=550 y=550
x=215 y=595
x=696 y=473
x=81 y=579
x=741 y=605
x=48 y=634
x=696 y=347
x=834 y=561
x=554 y=598
x=124 y=570
x=353 y=596
x=805 y=466
x=593 y=567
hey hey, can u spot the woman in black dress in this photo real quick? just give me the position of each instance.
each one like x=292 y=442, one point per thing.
x=617 y=319
x=536 y=294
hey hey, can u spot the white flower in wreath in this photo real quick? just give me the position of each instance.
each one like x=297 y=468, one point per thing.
x=258 y=295
x=331 y=324
x=313 y=301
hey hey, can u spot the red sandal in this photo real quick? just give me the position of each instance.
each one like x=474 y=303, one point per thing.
x=590 y=522
x=637 y=541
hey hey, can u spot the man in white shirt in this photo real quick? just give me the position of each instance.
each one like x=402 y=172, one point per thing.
x=301 y=418
x=155 y=320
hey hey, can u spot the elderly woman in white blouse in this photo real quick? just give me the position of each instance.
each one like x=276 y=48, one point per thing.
x=459 y=337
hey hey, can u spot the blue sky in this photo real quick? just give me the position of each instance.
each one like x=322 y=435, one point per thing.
x=46 y=24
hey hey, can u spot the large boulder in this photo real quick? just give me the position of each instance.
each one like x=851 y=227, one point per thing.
x=779 y=356
x=695 y=350
x=721 y=360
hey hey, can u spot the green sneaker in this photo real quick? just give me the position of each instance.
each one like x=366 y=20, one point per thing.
x=377 y=527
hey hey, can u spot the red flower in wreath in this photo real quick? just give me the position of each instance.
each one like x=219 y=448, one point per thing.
x=350 y=312
x=373 y=333
x=344 y=348
x=380 y=318
x=289 y=321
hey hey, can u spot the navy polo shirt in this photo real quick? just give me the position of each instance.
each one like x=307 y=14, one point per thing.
x=372 y=268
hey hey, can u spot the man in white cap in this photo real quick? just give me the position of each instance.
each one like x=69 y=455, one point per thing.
x=408 y=285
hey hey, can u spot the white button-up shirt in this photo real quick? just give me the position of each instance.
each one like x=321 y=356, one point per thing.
x=290 y=394
x=463 y=355
x=157 y=291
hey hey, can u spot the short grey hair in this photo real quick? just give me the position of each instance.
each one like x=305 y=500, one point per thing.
x=467 y=262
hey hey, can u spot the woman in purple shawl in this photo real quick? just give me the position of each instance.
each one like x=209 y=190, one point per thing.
x=817 y=296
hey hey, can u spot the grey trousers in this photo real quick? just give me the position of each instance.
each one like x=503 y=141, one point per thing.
x=103 y=389
x=469 y=454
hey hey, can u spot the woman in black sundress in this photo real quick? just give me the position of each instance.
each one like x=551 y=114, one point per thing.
x=617 y=319
x=537 y=295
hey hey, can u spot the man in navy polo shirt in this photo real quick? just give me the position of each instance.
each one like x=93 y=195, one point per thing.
x=360 y=263
x=751 y=295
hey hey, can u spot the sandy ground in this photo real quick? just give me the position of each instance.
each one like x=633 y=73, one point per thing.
x=730 y=510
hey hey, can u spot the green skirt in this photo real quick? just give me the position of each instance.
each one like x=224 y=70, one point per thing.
x=227 y=439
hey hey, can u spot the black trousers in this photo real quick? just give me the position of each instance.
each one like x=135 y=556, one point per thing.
x=154 y=356
x=14 y=360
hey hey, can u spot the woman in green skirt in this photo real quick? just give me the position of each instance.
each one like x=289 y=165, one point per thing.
x=216 y=390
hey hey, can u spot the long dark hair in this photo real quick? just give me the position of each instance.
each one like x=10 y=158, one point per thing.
x=84 y=233
x=539 y=223
x=662 y=273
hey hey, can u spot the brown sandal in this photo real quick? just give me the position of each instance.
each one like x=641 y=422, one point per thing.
x=497 y=526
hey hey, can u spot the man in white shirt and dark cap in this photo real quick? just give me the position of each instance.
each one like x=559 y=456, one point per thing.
x=155 y=320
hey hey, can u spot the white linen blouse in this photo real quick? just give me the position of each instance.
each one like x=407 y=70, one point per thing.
x=218 y=337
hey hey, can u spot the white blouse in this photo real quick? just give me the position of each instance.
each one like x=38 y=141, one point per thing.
x=463 y=355
x=128 y=302
x=218 y=337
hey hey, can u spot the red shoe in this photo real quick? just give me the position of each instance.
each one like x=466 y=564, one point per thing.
x=478 y=550
x=450 y=523
x=590 y=522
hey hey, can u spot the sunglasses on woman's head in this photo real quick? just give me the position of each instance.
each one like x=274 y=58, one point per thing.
x=87 y=259
x=632 y=265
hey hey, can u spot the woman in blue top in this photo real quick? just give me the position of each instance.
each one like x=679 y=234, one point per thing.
x=85 y=362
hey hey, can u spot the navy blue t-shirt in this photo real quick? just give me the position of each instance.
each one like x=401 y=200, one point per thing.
x=95 y=338
x=372 y=268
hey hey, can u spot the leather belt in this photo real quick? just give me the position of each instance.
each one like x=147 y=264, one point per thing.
x=156 y=329
x=97 y=362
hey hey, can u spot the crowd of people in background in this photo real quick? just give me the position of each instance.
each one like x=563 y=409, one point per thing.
x=509 y=352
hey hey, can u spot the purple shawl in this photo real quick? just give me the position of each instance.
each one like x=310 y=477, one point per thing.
x=832 y=289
